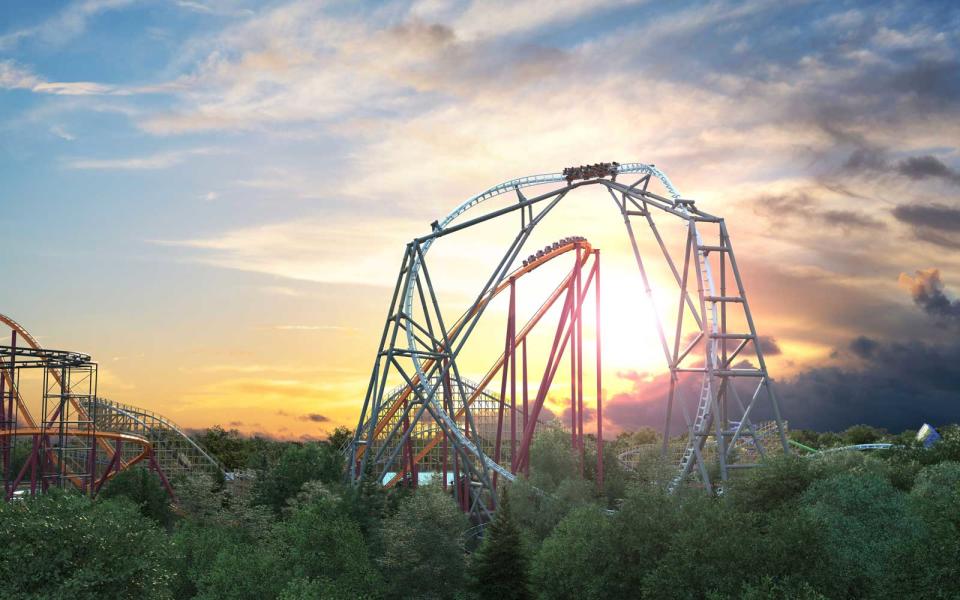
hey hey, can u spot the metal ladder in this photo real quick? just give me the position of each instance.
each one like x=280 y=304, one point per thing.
x=703 y=404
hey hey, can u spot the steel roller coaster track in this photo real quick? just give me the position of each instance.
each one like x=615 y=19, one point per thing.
x=710 y=298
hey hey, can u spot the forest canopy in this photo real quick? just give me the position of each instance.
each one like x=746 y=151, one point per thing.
x=837 y=526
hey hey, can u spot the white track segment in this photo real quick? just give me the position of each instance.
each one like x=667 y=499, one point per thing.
x=509 y=186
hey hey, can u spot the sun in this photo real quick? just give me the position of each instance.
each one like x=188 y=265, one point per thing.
x=629 y=335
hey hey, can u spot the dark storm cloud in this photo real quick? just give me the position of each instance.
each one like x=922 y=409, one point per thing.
x=864 y=347
x=927 y=166
x=934 y=223
x=901 y=385
x=896 y=385
x=926 y=289
x=934 y=216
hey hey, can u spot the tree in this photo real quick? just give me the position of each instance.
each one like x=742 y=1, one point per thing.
x=538 y=513
x=340 y=437
x=768 y=588
x=143 y=488
x=327 y=550
x=865 y=520
x=782 y=479
x=498 y=569
x=62 y=545
x=297 y=465
x=573 y=560
x=863 y=434
x=367 y=504
x=423 y=546
x=930 y=562
x=228 y=447
x=707 y=553
x=552 y=459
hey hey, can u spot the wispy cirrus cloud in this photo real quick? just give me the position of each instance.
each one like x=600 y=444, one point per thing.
x=162 y=160
x=65 y=25
x=13 y=77
x=332 y=250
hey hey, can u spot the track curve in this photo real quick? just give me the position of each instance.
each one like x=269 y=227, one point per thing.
x=516 y=185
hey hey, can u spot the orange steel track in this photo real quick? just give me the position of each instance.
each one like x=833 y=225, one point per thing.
x=491 y=373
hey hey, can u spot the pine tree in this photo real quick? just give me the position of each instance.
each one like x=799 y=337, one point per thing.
x=498 y=569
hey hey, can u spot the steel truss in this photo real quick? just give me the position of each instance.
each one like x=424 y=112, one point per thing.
x=417 y=344
x=66 y=445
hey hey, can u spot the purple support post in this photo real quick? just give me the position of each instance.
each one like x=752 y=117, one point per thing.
x=163 y=478
x=596 y=268
x=505 y=367
x=408 y=455
x=443 y=453
x=9 y=420
x=513 y=370
x=573 y=394
x=579 y=346
x=6 y=439
x=525 y=385
x=114 y=464
x=31 y=465
x=446 y=404
x=553 y=362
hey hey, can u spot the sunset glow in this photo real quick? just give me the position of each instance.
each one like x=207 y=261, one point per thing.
x=219 y=216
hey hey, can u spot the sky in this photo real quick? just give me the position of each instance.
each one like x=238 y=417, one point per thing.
x=212 y=197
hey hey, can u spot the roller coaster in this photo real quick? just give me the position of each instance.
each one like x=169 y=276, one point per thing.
x=78 y=439
x=417 y=397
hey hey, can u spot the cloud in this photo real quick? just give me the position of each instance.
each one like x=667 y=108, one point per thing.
x=864 y=347
x=163 y=160
x=62 y=133
x=926 y=289
x=14 y=77
x=868 y=157
x=769 y=346
x=67 y=24
x=645 y=404
x=501 y=18
x=330 y=250
x=315 y=418
x=801 y=206
x=927 y=166
x=899 y=386
x=935 y=223
x=295 y=64
x=896 y=385
x=215 y=7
